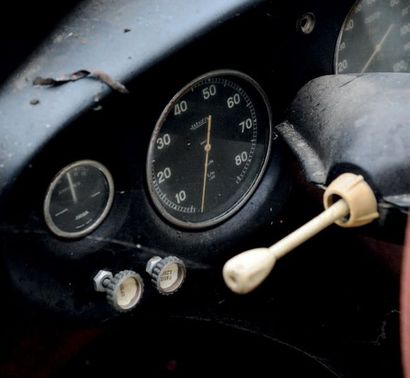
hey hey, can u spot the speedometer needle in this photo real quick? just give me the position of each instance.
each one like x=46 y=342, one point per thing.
x=72 y=189
x=207 y=148
x=377 y=49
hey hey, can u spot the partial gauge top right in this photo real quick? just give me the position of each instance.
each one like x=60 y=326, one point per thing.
x=375 y=37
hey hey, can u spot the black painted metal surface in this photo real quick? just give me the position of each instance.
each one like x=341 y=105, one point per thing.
x=358 y=123
x=122 y=38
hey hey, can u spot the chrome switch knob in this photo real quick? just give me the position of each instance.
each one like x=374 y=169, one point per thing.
x=124 y=290
x=167 y=274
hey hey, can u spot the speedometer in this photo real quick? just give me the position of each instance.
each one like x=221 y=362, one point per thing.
x=209 y=149
x=375 y=37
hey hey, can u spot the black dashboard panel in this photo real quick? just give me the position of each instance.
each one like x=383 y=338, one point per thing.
x=116 y=132
x=79 y=121
x=323 y=310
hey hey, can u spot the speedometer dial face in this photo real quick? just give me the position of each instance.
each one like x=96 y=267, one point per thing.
x=375 y=37
x=209 y=149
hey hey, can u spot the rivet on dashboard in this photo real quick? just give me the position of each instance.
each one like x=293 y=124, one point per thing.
x=306 y=23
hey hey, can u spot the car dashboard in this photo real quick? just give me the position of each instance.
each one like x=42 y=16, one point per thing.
x=156 y=140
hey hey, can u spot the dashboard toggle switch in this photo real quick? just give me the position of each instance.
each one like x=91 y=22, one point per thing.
x=167 y=274
x=124 y=290
x=349 y=202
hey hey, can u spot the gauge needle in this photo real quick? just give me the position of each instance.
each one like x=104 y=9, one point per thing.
x=377 y=49
x=207 y=148
x=72 y=189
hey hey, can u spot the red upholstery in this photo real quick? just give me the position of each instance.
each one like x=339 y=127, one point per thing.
x=405 y=304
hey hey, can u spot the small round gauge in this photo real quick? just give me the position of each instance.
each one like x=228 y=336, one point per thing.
x=209 y=149
x=78 y=199
x=375 y=37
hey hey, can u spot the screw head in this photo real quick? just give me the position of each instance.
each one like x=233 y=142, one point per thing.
x=151 y=264
x=306 y=23
x=99 y=279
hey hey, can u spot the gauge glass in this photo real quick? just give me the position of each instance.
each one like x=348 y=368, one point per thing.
x=209 y=149
x=78 y=199
x=375 y=37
